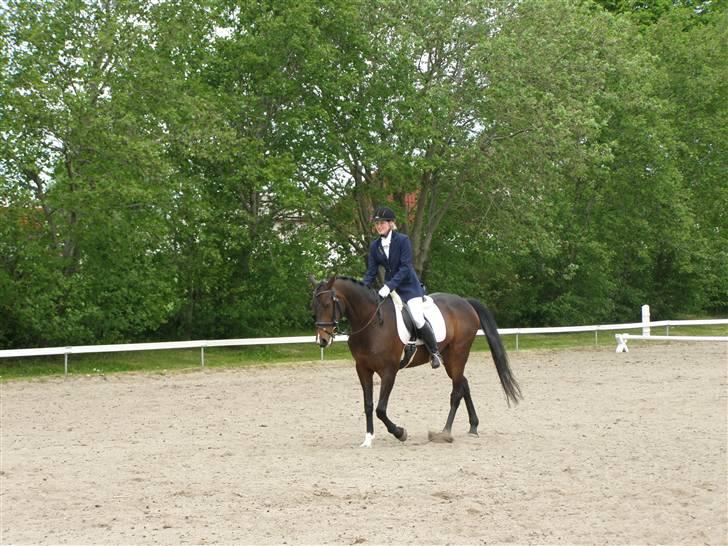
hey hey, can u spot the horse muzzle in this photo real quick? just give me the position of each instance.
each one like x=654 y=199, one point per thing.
x=325 y=338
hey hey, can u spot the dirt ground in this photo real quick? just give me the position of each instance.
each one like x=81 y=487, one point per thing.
x=606 y=448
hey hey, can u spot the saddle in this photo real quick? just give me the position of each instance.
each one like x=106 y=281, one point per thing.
x=406 y=326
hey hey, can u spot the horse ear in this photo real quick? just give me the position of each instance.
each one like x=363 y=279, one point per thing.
x=330 y=282
x=313 y=281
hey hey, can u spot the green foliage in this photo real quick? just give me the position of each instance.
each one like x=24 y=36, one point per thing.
x=589 y=216
x=691 y=49
x=176 y=169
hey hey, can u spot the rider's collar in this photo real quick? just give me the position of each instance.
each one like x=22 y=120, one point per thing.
x=387 y=239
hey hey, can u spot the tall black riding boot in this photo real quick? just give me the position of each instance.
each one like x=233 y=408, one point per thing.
x=428 y=336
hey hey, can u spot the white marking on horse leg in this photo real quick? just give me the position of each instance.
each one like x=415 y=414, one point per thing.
x=367 y=440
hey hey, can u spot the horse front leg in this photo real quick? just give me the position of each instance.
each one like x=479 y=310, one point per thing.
x=384 y=392
x=367 y=384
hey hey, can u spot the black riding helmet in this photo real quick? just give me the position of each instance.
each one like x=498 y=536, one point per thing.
x=383 y=213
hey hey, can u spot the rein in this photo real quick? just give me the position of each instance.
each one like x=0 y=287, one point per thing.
x=377 y=312
x=335 y=322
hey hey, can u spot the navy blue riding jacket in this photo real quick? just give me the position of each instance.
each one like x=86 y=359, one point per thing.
x=399 y=273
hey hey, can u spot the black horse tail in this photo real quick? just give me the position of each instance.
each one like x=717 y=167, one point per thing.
x=508 y=382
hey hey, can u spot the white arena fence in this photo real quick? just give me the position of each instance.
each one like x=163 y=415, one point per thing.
x=646 y=334
x=646 y=325
x=623 y=338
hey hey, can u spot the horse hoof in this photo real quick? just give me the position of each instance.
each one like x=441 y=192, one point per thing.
x=443 y=437
x=402 y=437
x=472 y=432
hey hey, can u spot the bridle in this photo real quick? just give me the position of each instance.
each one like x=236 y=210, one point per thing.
x=334 y=323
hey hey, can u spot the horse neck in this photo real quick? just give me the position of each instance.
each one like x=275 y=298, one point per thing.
x=358 y=303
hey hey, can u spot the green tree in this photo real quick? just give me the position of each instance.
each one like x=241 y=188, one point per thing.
x=86 y=181
x=176 y=169
x=584 y=217
x=692 y=49
x=242 y=252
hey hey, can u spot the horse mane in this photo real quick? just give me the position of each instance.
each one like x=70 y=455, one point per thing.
x=370 y=291
x=351 y=279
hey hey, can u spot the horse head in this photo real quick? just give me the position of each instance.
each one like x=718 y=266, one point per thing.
x=327 y=310
x=342 y=297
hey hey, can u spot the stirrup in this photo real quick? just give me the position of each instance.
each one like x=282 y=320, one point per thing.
x=436 y=360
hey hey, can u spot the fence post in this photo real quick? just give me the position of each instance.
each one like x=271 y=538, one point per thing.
x=645 y=320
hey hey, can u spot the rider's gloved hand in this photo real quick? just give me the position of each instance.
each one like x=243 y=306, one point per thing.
x=384 y=291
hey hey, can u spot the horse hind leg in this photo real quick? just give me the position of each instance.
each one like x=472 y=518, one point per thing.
x=456 y=397
x=472 y=416
x=460 y=391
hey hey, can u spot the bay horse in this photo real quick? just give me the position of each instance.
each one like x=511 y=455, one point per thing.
x=377 y=348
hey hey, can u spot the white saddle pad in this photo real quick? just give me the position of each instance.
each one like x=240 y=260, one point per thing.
x=432 y=314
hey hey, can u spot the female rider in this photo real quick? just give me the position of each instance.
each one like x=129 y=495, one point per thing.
x=393 y=251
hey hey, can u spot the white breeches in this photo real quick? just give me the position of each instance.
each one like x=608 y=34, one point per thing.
x=417 y=309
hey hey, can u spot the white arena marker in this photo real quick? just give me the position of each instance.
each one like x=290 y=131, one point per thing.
x=621 y=343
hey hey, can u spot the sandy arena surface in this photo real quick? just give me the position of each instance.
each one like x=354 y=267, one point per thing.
x=605 y=449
